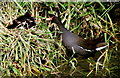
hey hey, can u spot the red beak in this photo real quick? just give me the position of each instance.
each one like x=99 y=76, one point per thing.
x=50 y=19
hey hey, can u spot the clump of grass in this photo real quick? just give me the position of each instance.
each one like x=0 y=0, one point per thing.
x=33 y=51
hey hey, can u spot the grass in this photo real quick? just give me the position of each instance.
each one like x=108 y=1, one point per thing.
x=33 y=52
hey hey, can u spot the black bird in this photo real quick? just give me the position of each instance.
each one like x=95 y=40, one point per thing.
x=23 y=18
x=27 y=18
x=75 y=44
x=15 y=24
x=30 y=22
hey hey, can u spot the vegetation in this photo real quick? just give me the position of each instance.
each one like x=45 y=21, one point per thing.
x=39 y=51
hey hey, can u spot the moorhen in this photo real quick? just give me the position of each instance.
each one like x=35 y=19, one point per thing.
x=75 y=44
x=19 y=20
x=15 y=24
x=23 y=18
x=30 y=22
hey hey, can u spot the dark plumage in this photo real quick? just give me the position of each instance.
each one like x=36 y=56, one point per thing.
x=25 y=20
x=30 y=22
x=74 y=43
x=15 y=24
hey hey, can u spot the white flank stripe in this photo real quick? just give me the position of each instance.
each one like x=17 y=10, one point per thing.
x=100 y=48
x=97 y=49
x=85 y=49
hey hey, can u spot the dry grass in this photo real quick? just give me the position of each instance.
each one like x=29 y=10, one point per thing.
x=33 y=52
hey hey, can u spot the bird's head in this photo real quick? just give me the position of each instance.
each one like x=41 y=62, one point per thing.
x=53 y=18
x=28 y=14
